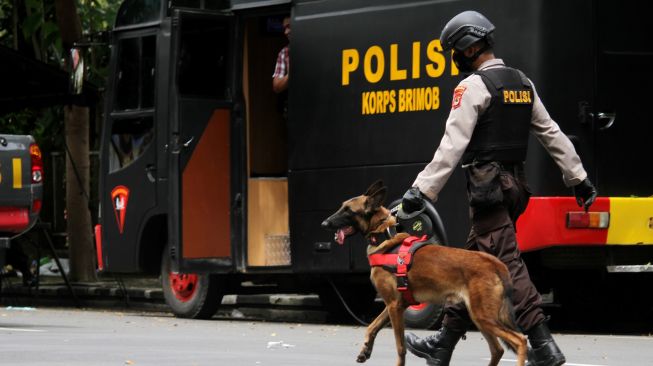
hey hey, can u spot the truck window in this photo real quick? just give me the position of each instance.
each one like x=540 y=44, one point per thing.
x=185 y=4
x=135 y=76
x=202 y=66
x=130 y=138
x=138 y=11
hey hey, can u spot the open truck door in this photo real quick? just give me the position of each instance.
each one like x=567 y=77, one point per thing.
x=129 y=178
x=201 y=215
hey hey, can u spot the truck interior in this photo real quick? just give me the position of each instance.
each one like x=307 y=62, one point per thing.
x=267 y=157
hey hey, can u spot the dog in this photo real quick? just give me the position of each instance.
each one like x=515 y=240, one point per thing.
x=438 y=274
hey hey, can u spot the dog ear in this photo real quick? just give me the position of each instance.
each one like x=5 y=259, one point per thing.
x=376 y=199
x=374 y=187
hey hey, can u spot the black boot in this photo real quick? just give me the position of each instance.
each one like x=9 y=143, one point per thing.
x=437 y=348
x=544 y=351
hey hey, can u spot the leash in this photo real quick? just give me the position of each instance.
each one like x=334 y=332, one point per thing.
x=344 y=303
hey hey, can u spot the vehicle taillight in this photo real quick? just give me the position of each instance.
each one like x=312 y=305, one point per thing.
x=588 y=220
x=36 y=206
x=37 y=163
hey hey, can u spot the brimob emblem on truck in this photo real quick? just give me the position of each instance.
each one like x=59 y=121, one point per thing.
x=119 y=198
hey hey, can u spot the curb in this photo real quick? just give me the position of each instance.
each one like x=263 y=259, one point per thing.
x=142 y=295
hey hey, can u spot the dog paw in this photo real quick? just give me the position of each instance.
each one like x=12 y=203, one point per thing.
x=362 y=358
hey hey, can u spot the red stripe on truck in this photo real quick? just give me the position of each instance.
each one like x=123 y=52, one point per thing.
x=543 y=224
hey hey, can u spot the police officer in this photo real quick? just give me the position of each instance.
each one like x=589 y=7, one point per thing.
x=493 y=110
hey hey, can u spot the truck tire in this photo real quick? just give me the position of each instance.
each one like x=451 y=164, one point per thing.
x=190 y=295
x=423 y=316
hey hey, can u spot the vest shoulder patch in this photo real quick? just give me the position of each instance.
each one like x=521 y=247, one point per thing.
x=457 y=96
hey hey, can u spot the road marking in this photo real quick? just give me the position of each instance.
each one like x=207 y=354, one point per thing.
x=631 y=338
x=21 y=330
x=566 y=363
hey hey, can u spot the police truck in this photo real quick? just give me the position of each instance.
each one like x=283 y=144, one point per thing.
x=204 y=181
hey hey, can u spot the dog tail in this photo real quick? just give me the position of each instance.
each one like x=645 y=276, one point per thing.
x=506 y=312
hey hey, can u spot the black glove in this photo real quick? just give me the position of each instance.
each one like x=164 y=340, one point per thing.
x=412 y=200
x=585 y=193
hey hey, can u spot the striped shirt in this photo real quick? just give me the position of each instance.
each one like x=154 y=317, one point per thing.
x=283 y=59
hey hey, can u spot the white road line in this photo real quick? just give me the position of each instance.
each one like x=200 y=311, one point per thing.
x=630 y=338
x=566 y=363
x=21 y=330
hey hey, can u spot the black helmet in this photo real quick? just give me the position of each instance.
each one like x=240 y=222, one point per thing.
x=465 y=29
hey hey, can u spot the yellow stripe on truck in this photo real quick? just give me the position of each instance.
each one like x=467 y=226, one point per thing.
x=18 y=173
x=631 y=221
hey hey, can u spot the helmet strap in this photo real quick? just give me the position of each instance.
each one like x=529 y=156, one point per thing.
x=464 y=63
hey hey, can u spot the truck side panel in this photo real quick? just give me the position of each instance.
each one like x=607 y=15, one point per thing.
x=375 y=95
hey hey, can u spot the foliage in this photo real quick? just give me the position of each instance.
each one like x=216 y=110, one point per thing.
x=45 y=125
x=35 y=33
x=97 y=18
x=97 y=15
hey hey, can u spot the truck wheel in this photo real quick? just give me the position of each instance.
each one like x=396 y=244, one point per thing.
x=423 y=316
x=190 y=295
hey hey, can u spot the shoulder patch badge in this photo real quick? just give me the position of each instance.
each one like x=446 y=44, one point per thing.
x=457 y=96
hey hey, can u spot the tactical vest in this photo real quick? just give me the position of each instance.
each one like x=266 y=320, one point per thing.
x=501 y=133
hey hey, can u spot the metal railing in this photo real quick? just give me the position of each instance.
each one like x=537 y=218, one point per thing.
x=54 y=192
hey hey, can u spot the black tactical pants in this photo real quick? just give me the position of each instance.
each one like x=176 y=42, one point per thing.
x=493 y=232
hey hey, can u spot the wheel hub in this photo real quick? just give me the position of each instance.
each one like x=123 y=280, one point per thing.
x=418 y=307
x=183 y=285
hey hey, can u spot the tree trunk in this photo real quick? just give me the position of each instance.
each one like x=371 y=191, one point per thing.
x=80 y=237
x=79 y=228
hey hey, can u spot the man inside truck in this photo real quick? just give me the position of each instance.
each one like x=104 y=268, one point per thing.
x=493 y=110
x=281 y=70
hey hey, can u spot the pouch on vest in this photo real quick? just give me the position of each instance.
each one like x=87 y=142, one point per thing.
x=484 y=184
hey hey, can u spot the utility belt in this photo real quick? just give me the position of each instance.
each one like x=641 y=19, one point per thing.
x=505 y=154
x=484 y=187
x=516 y=168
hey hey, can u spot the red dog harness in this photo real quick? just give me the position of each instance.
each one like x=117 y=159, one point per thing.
x=398 y=261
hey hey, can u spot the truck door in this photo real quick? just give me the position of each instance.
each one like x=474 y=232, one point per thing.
x=622 y=115
x=200 y=148
x=129 y=155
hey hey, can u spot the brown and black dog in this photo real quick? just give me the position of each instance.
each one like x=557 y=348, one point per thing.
x=438 y=274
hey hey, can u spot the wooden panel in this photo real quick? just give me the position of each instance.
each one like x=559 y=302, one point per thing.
x=267 y=211
x=205 y=193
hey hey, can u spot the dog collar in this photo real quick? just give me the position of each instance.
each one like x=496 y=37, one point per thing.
x=375 y=239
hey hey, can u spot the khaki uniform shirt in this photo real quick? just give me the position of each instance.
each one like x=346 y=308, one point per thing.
x=461 y=123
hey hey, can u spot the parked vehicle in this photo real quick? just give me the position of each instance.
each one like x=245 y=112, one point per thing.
x=203 y=181
x=21 y=187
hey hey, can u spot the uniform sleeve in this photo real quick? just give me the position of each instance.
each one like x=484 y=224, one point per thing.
x=557 y=144
x=460 y=125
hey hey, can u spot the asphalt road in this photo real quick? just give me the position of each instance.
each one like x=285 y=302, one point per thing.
x=50 y=337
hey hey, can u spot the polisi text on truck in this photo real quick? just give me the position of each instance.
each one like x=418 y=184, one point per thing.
x=374 y=61
x=374 y=71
